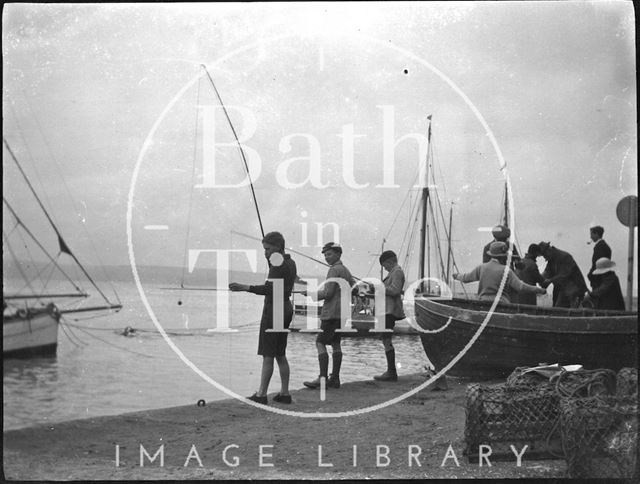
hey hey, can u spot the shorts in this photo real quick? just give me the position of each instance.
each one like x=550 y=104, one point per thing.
x=274 y=343
x=328 y=335
x=389 y=323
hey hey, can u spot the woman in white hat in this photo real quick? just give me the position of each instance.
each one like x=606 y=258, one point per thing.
x=605 y=287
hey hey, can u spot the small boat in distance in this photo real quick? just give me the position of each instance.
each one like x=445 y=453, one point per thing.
x=31 y=318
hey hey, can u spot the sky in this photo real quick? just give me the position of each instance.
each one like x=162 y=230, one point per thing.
x=109 y=109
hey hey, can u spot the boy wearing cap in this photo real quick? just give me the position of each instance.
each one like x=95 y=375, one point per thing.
x=393 y=289
x=330 y=317
x=489 y=276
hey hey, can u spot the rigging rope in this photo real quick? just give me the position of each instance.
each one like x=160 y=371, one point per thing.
x=68 y=191
x=108 y=343
x=51 y=259
x=63 y=245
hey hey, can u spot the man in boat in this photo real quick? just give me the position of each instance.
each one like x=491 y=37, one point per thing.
x=489 y=276
x=393 y=289
x=528 y=272
x=600 y=247
x=273 y=345
x=605 y=287
x=563 y=272
x=330 y=317
x=501 y=234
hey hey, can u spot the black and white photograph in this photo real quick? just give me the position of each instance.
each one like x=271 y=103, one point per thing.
x=320 y=241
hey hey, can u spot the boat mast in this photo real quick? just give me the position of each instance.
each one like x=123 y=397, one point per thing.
x=425 y=201
x=506 y=206
x=449 y=254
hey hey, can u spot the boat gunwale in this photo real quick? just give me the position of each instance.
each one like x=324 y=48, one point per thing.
x=618 y=322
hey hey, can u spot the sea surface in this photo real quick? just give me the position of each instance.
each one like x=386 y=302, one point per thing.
x=99 y=371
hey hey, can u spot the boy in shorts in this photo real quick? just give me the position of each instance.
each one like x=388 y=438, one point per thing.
x=330 y=317
x=393 y=289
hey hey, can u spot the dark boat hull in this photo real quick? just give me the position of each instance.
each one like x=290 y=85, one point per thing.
x=524 y=336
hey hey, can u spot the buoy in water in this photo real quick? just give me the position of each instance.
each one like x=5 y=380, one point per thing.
x=201 y=403
x=179 y=303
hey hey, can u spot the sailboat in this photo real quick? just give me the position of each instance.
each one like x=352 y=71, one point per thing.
x=31 y=314
x=474 y=339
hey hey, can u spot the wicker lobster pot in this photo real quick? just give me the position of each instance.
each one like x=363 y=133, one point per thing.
x=600 y=436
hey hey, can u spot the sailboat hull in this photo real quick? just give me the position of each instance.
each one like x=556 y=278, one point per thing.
x=519 y=335
x=33 y=333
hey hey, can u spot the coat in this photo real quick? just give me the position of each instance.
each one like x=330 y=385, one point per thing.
x=528 y=273
x=565 y=275
x=606 y=291
x=600 y=250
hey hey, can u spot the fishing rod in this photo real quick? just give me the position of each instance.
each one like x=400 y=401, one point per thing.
x=288 y=248
x=294 y=251
x=194 y=288
x=244 y=158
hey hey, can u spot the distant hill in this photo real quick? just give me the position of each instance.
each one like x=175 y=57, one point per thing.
x=123 y=273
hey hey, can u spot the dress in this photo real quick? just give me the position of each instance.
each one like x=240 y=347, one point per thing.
x=566 y=277
x=275 y=344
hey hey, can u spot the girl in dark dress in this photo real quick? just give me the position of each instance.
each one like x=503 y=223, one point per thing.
x=273 y=345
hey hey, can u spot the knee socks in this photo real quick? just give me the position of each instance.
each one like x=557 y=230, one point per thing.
x=337 y=361
x=391 y=360
x=323 y=359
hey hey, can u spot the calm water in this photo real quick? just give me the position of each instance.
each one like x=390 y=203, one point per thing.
x=98 y=371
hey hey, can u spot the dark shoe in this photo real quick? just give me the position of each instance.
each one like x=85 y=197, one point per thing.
x=333 y=382
x=282 y=398
x=312 y=384
x=386 y=376
x=257 y=399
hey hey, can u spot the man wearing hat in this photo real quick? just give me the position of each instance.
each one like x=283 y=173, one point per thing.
x=489 y=276
x=330 y=317
x=393 y=289
x=500 y=234
x=563 y=272
x=606 y=292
